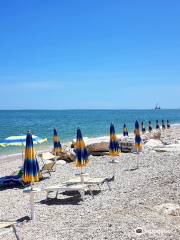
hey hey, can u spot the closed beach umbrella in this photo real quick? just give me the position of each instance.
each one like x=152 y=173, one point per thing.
x=138 y=144
x=143 y=128
x=150 y=126
x=163 y=125
x=31 y=167
x=113 y=144
x=168 y=124
x=125 y=130
x=57 y=145
x=157 y=124
x=81 y=151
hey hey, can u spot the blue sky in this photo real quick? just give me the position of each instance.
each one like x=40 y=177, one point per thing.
x=89 y=54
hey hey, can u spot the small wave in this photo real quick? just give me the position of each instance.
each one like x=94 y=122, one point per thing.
x=175 y=124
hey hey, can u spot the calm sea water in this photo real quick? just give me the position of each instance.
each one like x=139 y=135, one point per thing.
x=93 y=123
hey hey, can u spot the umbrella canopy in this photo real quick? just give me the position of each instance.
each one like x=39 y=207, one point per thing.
x=113 y=144
x=137 y=136
x=81 y=151
x=125 y=130
x=20 y=141
x=31 y=171
x=57 y=145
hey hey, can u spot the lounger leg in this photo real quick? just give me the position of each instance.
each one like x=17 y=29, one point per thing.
x=57 y=194
x=14 y=230
x=82 y=194
x=32 y=205
x=91 y=191
x=47 y=194
x=99 y=187
x=108 y=186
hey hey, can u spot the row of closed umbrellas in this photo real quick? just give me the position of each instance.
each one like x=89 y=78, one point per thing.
x=31 y=172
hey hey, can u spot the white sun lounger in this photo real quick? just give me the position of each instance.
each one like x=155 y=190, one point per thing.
x=81 y=188
x=90 y=181
x=6 y=225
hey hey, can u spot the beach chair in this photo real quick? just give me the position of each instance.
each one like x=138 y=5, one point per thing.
x=47 y=156
x=5 y=228
x=49 y=162
x=48 y=167
x=99 y=181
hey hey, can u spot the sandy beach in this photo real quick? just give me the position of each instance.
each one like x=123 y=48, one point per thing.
x=139 y=199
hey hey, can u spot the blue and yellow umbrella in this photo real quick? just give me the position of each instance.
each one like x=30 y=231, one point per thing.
x=113 y=144
x=138 y=140
x=81 y=151
x=163 y=125
x=143 y=128
x=125 y=130
x=150 y=126
x=57 y=145
x=157 y=124
x=31 y=171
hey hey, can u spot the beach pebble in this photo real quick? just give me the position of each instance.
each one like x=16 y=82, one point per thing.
x=138 y=230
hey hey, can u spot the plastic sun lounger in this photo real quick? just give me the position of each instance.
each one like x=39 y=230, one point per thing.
x=81 y=188
x=6 y=225
x=90 y=181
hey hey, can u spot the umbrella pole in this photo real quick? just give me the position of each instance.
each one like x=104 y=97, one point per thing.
x=82 y=180
x=114 y=169
x=32 y=204
x=22 y=154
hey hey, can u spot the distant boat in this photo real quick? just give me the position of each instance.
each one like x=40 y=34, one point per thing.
x=157 y=107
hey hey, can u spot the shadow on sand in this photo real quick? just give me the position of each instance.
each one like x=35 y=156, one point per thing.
x=73 y=198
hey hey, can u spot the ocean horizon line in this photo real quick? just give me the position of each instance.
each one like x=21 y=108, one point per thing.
x=90 y=109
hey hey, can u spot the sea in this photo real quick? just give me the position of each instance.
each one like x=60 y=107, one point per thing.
x=93 y=123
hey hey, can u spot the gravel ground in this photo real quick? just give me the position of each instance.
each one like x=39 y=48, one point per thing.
x=115 y=214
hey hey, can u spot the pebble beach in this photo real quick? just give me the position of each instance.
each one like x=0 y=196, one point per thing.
x=143 y=203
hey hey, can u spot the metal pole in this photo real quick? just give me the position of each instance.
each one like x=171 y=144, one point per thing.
x=22 y=155
x=32 y=204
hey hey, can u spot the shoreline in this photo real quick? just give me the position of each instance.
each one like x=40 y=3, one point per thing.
x=88 y=140
x=145 y=194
